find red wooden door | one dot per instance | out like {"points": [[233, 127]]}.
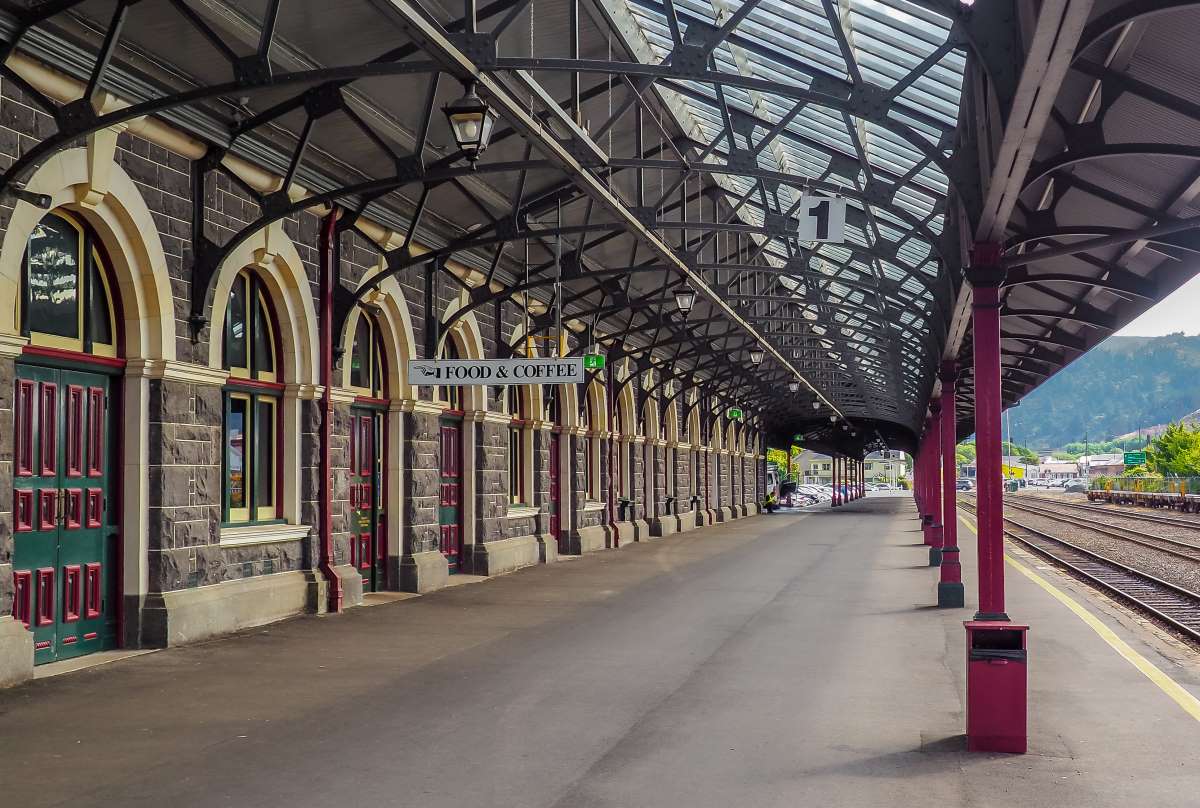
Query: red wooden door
{"points": [[555, 509], [367, 547], [450, 492]]}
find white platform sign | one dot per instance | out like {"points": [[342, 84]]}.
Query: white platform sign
{"points": [[822, 218], [497, 372]]}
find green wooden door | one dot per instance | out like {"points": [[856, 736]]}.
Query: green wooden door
{"points": [[450, 491], [65, 543], [368, 549]]}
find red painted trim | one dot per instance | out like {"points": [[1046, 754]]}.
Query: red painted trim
{"points": [[24, 405], [47, 501], [72, 356], [95, 431], [23, 596], [44, 612], [366, 457], [254, 384], [73, 509], [91, 635], [95, 508], [93, 593], [48, 413], [364, 551], [23, 510], [371, 401], [74, 453], [353, 460], [72, 596]]}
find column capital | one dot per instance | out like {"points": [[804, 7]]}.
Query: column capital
{"points": [[420, 405], [987, 268]]}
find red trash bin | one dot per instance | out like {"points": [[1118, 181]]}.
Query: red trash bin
{"points": [[997, 681]]}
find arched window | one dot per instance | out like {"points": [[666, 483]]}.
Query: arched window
{"points": [[451, 395], [366, 358], [251, 427], [66, 301], [550, 404], [516, 445]]}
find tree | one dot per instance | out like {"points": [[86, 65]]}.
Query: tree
{"points": [[964, 453], [1012, 450], [1176, 452]]}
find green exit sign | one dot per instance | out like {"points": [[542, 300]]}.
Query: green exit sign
{"points": [[735, 414], [593, 361], [1135, 458]]}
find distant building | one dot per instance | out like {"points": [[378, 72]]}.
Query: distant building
{"points": [[1101, 465], [818, 468], [1057, 470]]}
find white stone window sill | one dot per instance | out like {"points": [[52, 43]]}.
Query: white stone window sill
{"points": [[521, 511], [593, 506], [261, 534]]}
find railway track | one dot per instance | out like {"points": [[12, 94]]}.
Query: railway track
{"points": [[1115, 510], [1177, 607], [1165, 544]]}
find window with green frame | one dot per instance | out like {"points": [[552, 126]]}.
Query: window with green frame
{"points": [[251, 433], [66, 302], [366, 358], [453, 396], [516, 445]]}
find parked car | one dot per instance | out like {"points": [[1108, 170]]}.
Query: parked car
{"points": [[964, 484], [1076, 486]]}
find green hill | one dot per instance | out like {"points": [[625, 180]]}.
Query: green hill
{"points": [[1122, 385]]}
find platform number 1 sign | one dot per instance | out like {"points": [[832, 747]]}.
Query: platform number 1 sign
{"points": [[822, 218]]}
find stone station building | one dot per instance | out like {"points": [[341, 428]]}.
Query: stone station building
{"points": [[162, 463]]}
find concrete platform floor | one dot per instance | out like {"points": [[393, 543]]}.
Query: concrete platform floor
{"points": [[787, 660]]}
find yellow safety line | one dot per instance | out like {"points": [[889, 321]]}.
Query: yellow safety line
{"points": [[1177, 693]]}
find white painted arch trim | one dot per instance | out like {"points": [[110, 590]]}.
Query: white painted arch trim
{"points": [[278, 263], [117, 213]]}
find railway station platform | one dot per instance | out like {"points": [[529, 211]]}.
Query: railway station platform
{"points": [[789, 660]]}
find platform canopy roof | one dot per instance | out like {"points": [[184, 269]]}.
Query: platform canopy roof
{"points": [[645, 147]]}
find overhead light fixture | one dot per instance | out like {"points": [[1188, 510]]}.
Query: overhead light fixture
{"points": [[756, 356], [833, 419], [845, 427], [816, 405], [685, 298], [471, 121], [794, 387]]}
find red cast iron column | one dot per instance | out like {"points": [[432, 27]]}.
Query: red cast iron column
{"points": [[950, 588], [935, 491], [985, 276], [916, 479], [926, 503]]}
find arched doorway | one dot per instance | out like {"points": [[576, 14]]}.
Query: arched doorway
{"points": [[450, 469], [368, 439], [67, 408]]}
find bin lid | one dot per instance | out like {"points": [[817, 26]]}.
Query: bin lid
{"points": [[994, 625]]}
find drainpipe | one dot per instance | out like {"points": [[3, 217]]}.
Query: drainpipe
{"points": [[328, 265], [614, 457]]}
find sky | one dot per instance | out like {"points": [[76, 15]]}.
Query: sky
{"points": [[1178, 312]]}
